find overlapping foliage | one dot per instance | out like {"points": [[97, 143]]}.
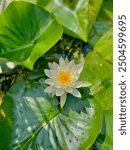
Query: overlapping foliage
{"points": [[29, 31]]}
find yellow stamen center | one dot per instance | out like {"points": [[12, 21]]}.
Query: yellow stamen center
{"points": [[64, 77]]}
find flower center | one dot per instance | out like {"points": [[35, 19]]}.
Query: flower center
{"points": [[64, 77]]}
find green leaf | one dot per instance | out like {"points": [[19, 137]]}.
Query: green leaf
{"points": [[98, 71], [108, 143], [27, 31], [4, 3], [107, 9], [99, 29], [77, 17], [104, 95], [103, 22], [34, 120], [105, 46], [101, 137]]}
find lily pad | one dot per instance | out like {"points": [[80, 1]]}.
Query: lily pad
{"points": [[107, 9], [108, 143], [104, 47], [27, 31], [35, 121], [103, 22], [98, 71], [77, 17]]}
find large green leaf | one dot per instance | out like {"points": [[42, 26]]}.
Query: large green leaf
{"points": [[108, 143], [76, 16], [5, 3], [105, 46], [27, 32], [103, 22], [107, 9], [34, 120], [98, 70]]}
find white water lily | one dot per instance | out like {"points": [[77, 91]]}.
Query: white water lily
{"points": [[63, 79]]}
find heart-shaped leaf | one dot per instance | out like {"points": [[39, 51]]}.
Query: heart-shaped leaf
{"points": [[27, 31], [76, 16], [34, 120]]}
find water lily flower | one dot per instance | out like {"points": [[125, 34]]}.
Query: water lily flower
{"points": [[63, 79]]}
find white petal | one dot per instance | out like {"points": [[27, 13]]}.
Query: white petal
{"points": [[75, 77], [55, 66], [69, 89], [50, 89], [71, 64], [59, 92], [73, 69], [48, 73], [80, 66], [76, 93], [49, 82], [50, 65], [62, 62], [53, 73], [77, 84], [63, 99], [56, 84], [86, 84]]}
